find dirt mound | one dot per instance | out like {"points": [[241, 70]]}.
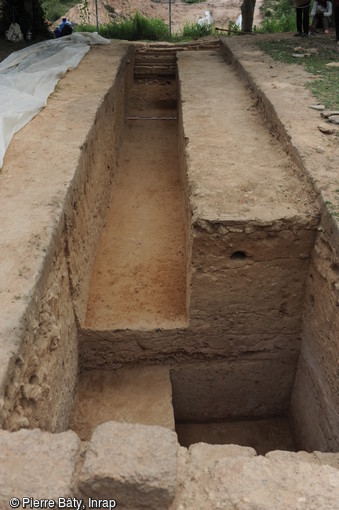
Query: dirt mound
{"points": [[78, 14], [222, 11]]}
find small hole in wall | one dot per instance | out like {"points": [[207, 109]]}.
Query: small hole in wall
{"points": [[312, 300], [238, 255], [33, 379], [19, 361]]}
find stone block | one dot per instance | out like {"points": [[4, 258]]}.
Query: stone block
{"points": [[225, 482], [37, 464], [133, 464], [202, 452], [320, 458], [130, 395]]}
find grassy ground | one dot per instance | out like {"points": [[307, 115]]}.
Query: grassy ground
{"points": [[318, 51]]}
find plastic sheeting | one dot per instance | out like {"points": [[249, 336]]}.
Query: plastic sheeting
{"points": [[29, 76]]}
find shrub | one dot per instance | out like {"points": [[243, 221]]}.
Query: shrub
{"points": [[278, 16], [134, 29], [193, 31], [55, 9]]}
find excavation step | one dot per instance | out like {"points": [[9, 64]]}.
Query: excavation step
{"points": [[160, 62], [155, 64], [154, 70], [238, 169], [141, 395]]}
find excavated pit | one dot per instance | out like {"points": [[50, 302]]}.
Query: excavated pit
{"points": [[184, 268], [169, 288]]}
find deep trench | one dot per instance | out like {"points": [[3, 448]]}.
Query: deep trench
{"points": [[138, 279], [139, 283]]}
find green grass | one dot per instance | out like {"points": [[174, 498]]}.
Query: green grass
{"points": [[325, 85], [193, 31], [140, 28], [134, 29], [278, 16]]}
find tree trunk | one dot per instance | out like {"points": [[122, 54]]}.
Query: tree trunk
{"points": [[28, 8], [247, 14]]}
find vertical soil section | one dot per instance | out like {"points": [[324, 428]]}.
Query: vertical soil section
{"points": [[138, 279]]}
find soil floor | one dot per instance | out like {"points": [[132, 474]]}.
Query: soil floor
{"points": [[263, 435], [138, 280]]}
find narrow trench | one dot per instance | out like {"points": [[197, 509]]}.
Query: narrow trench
{"points": [[139, 283], [138, 280]]}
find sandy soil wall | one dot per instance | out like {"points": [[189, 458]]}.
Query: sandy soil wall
{"points": [[184, 186], [40, 390], [315, 399], [93, 184], [39, 371]]}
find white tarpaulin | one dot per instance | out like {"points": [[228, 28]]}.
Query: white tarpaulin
{"points": [[28, 77]]}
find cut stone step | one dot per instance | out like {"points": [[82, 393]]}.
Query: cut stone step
{"points": [[142, 395]]}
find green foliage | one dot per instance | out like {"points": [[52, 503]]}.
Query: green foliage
{"points": [[134, 29], [193, 31], [55, 9], [278, 16], [233, 28], [140, 28], [286, 23]]}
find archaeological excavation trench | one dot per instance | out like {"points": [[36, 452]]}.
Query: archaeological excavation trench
{"points": [[184, 282], [139, 284]]}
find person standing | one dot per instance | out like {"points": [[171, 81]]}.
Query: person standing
{"points": [[336, 18], [303, 17]]}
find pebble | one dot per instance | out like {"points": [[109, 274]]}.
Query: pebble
{"points": [[326, 130], [329, 113], [319, 107]]}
